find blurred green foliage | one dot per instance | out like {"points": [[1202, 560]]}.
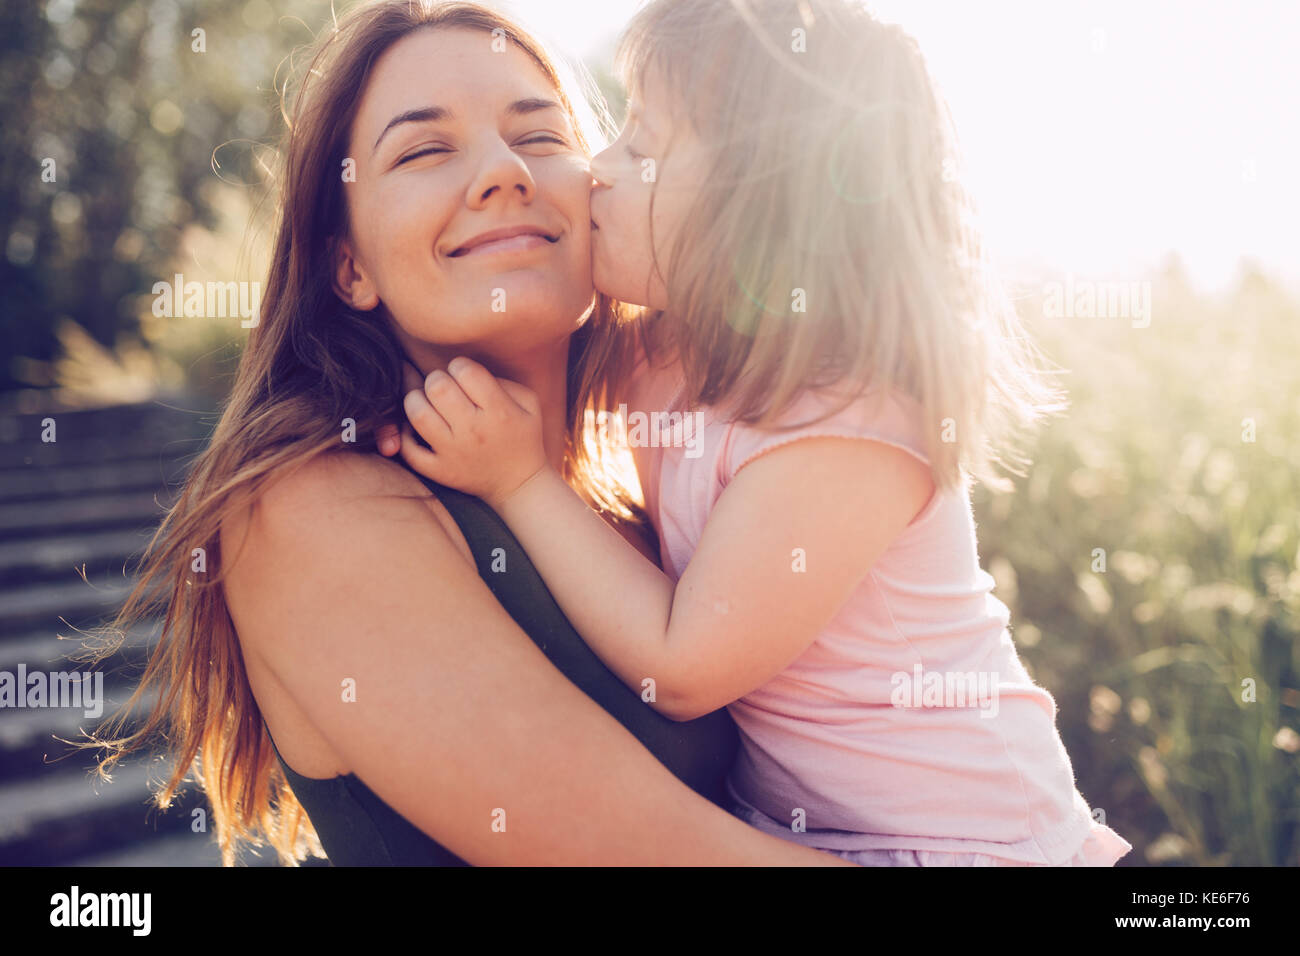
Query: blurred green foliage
{"points": [[118, 97], [1176, 669]]}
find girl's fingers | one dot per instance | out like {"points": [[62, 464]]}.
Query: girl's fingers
{"points": [[426, 419], [445, 394], [479, 385], [388, 438], [417, 456]]}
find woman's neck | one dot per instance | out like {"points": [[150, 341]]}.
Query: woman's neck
{"points": [[544, 370]]}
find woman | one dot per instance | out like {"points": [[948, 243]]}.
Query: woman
{"points": [[434, 203]]}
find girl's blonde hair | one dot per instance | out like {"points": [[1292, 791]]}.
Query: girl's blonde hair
{"points": [[309, 363], [830, 187]]}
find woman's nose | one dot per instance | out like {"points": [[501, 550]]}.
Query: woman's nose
{"points": [[501, 173]]}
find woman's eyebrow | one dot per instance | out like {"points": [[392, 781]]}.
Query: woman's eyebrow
{"points": [[436, 114], [531, 105], [427, 114]]}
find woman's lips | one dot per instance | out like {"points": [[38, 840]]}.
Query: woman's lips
{"points": [[514, 244]]}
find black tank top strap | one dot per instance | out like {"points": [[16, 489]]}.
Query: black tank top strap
{"points": [[357, 828]]}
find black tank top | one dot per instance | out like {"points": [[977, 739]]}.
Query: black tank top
{"points": [[357, 828]]}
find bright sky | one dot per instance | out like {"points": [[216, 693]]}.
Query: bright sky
{"points": [[1099, 135]]}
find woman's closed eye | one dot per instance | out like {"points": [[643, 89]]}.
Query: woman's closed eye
{"points": [[434, 149], [422, 151], [538, 138]]}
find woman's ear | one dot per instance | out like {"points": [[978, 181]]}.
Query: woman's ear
{"points": [[351, 282]]}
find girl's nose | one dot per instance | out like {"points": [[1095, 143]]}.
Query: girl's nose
{"points": [[599, 164]]}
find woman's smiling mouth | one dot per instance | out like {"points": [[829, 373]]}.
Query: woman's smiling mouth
{"points": [[510, 239]]}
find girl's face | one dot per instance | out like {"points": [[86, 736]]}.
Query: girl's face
{"points": [[469, 216], [657, 155]]}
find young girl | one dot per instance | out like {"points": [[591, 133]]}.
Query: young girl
{"points": [[823, 370]]}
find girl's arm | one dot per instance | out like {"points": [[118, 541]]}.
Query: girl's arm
{"points": [[347, 574], [791, 536]]}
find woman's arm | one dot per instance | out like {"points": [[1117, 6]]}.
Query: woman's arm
{"points": [[457, 715], [787, 542]]}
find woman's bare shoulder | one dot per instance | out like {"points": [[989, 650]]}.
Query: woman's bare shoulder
{"points": [[322, 509], [338, 476]]}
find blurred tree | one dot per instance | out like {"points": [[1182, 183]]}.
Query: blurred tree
{"points": [[114, 112]]}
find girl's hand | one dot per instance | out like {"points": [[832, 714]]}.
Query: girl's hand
{"points": [[388, 437], [484, 433]]}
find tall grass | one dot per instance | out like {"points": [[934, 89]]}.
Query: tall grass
{"points": [[1150, 560]]}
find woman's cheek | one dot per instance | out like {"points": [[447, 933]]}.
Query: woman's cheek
{"points": [[607, 271], [405, 229], [630, 215]]}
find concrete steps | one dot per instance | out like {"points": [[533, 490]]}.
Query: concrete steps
{"points": [[87, 503]]}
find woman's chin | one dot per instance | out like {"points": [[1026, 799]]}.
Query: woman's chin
{"points": [[545, 305]]}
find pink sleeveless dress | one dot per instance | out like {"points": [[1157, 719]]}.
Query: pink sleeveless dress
{"points": [[865, 745]]}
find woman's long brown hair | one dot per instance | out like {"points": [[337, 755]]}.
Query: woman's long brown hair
{"points": [[309, 363]]}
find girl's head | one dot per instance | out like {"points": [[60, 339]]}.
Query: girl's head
{"points": [[417, 127], [784, 190]]}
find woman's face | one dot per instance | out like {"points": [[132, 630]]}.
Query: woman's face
{"points": [[469, 215]]}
